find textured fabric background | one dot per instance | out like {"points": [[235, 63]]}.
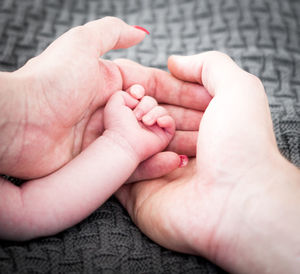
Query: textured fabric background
{"points": [[263, 36]]}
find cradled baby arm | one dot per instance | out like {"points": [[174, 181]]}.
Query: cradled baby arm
{"points": [[143, 125]]}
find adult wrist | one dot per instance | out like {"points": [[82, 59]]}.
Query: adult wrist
{"points": [[10, 116], [265, 235]]}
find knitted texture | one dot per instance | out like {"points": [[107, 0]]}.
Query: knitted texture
{"points": [[262, 36]]}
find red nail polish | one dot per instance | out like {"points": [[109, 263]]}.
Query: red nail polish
{"points": [[141, 28], [183, 160]]}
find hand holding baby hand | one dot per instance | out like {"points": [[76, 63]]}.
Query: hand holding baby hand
{"points": [[141, 126]]}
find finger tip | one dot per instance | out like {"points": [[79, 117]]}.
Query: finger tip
{"points": [[183, 161], [171, 161], [142, 29], [174, 57], [173, 61], [147, 120], [174, 159], [167, 123], [137, 91], [138, 114]]}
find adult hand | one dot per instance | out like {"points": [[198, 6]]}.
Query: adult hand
{"points": [[52, 108], [238, 203], [184, 101], [55, 97]]}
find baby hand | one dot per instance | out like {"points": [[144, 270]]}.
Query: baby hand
{"points": [[143, 126]]}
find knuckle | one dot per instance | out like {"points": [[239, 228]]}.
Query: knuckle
{"points": [[120, 60], [256, 85], [78, 34], [112, 20], [118, 93], [254, 80], [150, 100], [161, 109], [77, 31], [218, 54]]}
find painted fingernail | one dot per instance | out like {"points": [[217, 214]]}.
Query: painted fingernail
{"points": [[183, 160], [141, 28]]}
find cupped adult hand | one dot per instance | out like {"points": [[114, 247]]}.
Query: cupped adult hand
{"points": [[52, 107], [224, 204]]}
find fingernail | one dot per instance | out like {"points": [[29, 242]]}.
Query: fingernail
{"points": [[147, 119], [141, 28], [137, 91], [183, 160], [138, 114]]}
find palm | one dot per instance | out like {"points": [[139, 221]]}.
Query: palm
{"points": [[59, 111], [165, 208], [68, 93], [191, 209], [175, 203]]}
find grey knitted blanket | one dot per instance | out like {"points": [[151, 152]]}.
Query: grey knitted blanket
{"points": [[261, 35]]}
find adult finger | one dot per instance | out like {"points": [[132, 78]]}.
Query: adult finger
{"points": [[235, 92], [163, 86], [185, 119], [102, 35], [113, 33], [216, 71], [158, 165], [184, 142]]}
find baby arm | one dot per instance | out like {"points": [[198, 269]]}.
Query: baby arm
{"points": [[51, 204]]}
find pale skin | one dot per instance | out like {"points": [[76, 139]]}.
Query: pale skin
{"points": [[238, 202], [134, 131], [52, 107]]}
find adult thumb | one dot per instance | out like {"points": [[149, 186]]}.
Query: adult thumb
{"points": [[214, 70], [239, 98], [113, 33], [99, 36], [222, 77]]}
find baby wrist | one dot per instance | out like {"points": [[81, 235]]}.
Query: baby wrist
{"points": [[121, 144]]}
